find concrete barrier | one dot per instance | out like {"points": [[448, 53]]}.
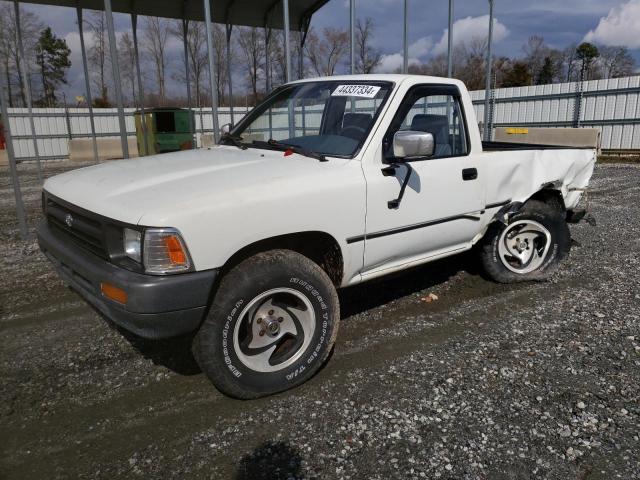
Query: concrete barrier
{"points": [[565, 137], [206, 140], [4, 158], [109, 148]]}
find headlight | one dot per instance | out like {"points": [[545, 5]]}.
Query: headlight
{"points": [[164, 251], [132, 245]]}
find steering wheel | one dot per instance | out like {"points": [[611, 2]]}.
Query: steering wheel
{"points": [[357, 132]]}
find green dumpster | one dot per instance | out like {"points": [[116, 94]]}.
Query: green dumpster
{"points": [[168, 130]]}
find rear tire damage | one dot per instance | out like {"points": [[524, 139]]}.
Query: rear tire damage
{"points": [[529, 247]]}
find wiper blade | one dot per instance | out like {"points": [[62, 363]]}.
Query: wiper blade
{"points": [[233, 140], [295, 149]]}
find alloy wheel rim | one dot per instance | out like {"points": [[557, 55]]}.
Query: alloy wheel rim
{"points": [[274, 330], [523, 246]]}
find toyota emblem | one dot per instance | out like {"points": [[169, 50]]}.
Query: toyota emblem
{"points": [[68, 220]]}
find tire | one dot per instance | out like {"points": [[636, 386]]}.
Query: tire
{"points": [[271, 326], [530, 247]]}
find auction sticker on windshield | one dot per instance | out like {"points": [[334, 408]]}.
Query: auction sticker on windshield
{"points": [[364, 91]]}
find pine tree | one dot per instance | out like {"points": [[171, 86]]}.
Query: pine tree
{"points": [[52, 57], [547, 73], [586, 54], [518, 76]]}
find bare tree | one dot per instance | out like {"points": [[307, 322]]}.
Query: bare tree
{"points": [[570, 63], [535, 52], [436, 66], [473, 58], [368, 58], [127, 61], [327, 52], [6, 45], [557, 59], [197, 53], [277, 59], [155, 36], [615, 62], [220, 58], [252, 45], [97, 56], [10, 59]]}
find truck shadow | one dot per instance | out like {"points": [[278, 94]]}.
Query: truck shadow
{"points": [[378, 292], [175, 353], [172, 353]]}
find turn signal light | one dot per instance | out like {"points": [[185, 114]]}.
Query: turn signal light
{"points": [[177, 256], [114, 293], [164, 252]]}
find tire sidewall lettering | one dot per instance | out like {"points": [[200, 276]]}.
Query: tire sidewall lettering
{"points": [[227, 340], [314, 350]]}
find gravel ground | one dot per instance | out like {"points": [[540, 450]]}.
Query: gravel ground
{"points": [[486, 382]]}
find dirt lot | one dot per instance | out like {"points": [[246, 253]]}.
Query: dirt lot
{"points": [[489, 381]]}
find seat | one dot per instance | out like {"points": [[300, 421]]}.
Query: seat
{"points": [[357, 123], [438, 126]]}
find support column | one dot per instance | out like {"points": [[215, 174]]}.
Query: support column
{"points": [[267, 68], [287, 47], [27, 88], [287, 56], [136, 56], [304, 31], [87, 86], [212, 72], [450, 42], [229, 27], [267, 57], [352, 34], [303, 39], [487, 127], [13, 170], [115, 69], [303, 36], [185, 33], [405, 39]]}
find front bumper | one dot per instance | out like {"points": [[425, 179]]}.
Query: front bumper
{"points": [[157, 306]]}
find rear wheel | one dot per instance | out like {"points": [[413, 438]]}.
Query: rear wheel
{"points": [[271, 326], [530, 247]]}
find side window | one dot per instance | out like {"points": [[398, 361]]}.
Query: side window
{"points": [[440, 115]]}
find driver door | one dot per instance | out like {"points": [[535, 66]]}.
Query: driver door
{"points": [[439, 212]]}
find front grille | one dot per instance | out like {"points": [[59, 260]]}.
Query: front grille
{"points": [[79, 227]]}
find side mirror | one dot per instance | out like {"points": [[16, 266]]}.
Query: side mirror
{"points": [[226, 128], [409, 144]]}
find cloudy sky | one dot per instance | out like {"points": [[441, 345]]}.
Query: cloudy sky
{"points": [[607, 22]]}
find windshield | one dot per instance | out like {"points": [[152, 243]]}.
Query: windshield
{"points": [[325, 118]]}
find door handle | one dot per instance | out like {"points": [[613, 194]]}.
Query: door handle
{"points": [[469, 174]]}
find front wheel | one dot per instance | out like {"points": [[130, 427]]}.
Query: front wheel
{"points": [[530, 247], [272, 324]]}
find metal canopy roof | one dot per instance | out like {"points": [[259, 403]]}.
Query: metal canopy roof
{"points": [[250, 13]]}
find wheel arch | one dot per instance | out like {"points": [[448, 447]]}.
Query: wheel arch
{"points": [[320, 247], [550, 193]]}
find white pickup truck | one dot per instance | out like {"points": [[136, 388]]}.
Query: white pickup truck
{"points": [[328, 183]]}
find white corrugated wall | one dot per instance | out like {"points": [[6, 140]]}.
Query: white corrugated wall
{"points": [[611, 105], [53, 132]]}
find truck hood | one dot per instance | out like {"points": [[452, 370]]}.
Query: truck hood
{"points": [[127, 190]]}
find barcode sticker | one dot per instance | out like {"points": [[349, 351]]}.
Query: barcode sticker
{"points": [[363, 91]]}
